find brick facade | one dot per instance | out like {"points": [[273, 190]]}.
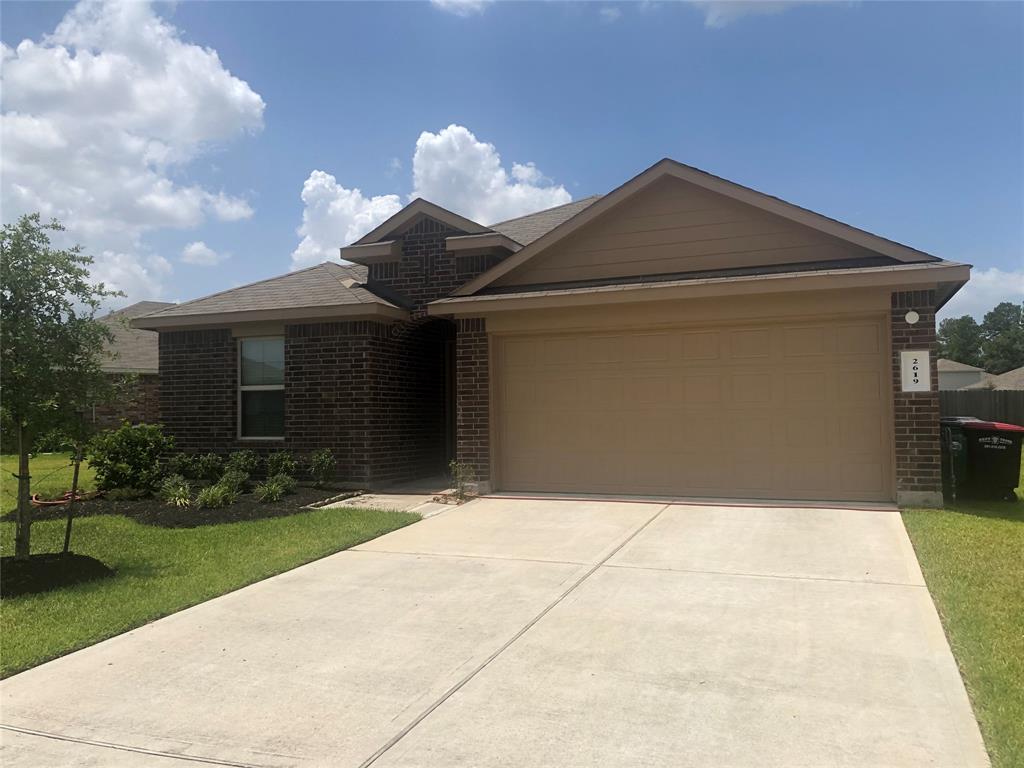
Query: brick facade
{"points": [[916, 414], [472, 373], [137, 401]]}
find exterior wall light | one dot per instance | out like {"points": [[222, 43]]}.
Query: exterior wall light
{"points": [[911, 317]]}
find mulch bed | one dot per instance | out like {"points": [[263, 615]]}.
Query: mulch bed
{"points": [[153, 511], [41, 573]]}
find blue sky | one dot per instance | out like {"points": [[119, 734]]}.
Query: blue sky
{"points": [[906, 119]]}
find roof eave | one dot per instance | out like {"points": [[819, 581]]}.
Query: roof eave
{"points": [[412, 210], [919, 276], [489, 241], [372, 253], [362, 311]]}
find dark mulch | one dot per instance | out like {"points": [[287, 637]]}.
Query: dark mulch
{"points": [[153, 511], [41, 573]]}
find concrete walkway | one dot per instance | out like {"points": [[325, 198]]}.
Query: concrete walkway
{"points": [[515, 632]]}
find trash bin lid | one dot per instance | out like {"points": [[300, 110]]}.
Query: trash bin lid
{"points": [[992, 426], [957, 419]]}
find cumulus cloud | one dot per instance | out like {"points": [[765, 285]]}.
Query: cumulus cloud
{"points": [[610, 14], [200, 254], [462, 7], [457, 171], [335, 216], [721, 13], [451, 168], [986, 288], [100, 119]]}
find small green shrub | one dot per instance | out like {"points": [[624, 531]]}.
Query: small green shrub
{"points": [[53, 441], [197, 467], [129, 456], [282, 463], [125, 494], [269, 491], [176, 491], [321, 466], [243, 461], [216, 496], [235, 479], [462, 476], [285, 481]]}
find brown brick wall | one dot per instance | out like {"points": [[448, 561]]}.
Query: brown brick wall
{"points": [[916, 414], [473, 396], [137, 401], [426, 270], [197, 389]]}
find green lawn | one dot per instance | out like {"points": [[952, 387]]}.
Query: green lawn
{"points": [[973, 560], [162, 570], [51, 476]]}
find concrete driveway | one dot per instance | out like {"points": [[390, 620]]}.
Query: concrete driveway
{"points": [[517, 632]]}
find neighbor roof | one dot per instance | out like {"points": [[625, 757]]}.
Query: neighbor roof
{"points": [[133, 350], [525, 229], [327, 289], [1010, 380], [950, 366]]}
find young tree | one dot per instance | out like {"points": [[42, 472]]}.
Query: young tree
{"points": [[1002, 333], [960, 340], [51, 344]]}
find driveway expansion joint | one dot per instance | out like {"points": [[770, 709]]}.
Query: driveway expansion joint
{"points": [[505, 646], [741, 574]]}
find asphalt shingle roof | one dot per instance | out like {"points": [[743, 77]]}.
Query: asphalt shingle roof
{"points": [[525, 229], [325, 285], [948, 366], [133, 350], [1010, 380]]}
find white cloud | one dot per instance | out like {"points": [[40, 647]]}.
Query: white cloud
{"points": [[200, 254], [100, 119], [610, 14], [138, 277], [462, 7], [721, 13], [450, 168], [457, 171], [335, 216], [987, 287]]}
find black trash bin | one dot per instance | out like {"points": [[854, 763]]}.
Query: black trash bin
{"points": [[980, 459]]}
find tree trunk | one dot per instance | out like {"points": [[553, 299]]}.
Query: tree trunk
{"points": [[74, 494], [24, 525]]}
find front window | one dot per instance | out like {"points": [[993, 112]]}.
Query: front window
{"points": [[261, 387]]}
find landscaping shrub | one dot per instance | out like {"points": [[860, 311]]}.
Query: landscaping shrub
{"points": [[126, 494], [235, 479], [282, 463], [54, 441], [216, 496], [176, 491], [287, 482], [322, 465], [243, 461], [197, 467], [269, 491], [129, 456]]}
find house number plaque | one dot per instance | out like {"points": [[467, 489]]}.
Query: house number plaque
{"points": [[915, 367]]}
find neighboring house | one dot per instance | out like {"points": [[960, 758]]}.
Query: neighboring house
{"points": [[682, 335], [954, 375], [133, 361], [1011, 380]]}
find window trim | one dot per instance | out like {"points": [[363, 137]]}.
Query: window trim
{"points": [[240, 388]]}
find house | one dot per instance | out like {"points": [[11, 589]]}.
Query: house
{"points": [[132, 359], [1011, 380], [954, 375], [681, 335]]}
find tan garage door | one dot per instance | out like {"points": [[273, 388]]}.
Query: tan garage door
{"points": [[770, 411]]}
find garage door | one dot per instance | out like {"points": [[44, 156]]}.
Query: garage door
{"points": [[781, 411]]}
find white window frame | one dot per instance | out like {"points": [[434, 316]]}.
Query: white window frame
{"points": [[253, 387]]}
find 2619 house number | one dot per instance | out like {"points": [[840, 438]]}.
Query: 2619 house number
{"points": [[916, 372]]}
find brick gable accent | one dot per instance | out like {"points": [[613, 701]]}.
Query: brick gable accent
{"points": [[473, 388], [916, 414]]}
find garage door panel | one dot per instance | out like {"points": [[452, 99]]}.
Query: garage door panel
{"points": [[777, 411]]}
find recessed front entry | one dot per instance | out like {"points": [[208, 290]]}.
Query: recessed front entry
{"points": [[770, 410]]}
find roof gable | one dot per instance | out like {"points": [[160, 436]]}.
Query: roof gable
{"points": [[420, 207], [705, 183], [132, 350]]}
